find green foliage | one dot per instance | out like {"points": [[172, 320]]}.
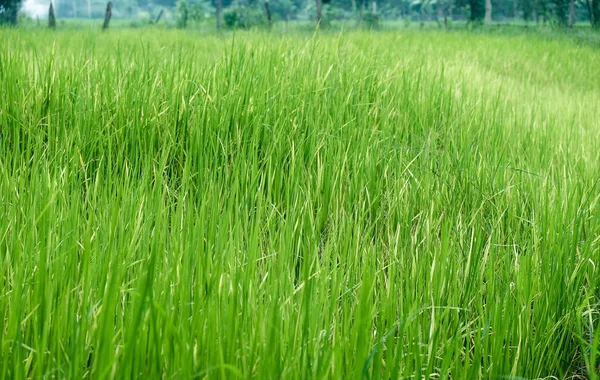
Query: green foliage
{"points": [[9, 11], [477, 8], [200, 10], [231, 18], [283, 8], [528, 8], [332, 13], [390, 11], [395, 205], [595, 12], [244, 17], [183, 14], [370, 19], [561, 11]]}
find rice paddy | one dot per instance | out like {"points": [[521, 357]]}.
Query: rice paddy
{"points": [[392, 204]]}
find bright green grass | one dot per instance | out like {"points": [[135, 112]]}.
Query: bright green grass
{"points": [[380, 205]]}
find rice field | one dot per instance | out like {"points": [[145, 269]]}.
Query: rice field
{"points": [[394, 204]]}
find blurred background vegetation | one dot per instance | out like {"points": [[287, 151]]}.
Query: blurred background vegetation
{"points": [[263, 13]]}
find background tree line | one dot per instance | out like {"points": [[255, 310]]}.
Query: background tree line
{"points": [[244, 13]]}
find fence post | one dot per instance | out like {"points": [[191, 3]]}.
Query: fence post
{"points": [[108, 15]]}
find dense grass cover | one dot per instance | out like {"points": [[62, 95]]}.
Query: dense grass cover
{"points": [[380, 205]]}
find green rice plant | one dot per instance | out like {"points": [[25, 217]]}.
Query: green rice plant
{"points": [[361, 205]]}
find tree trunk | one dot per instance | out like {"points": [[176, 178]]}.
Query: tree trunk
{"points": [[319, 11], [268, 10], [107, 15], [51, 17], [571, 13], [594, 11], [159, 16], [89, 8], [219, 8], [438, 16], [488, 11]]}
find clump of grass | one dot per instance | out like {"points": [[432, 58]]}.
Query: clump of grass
{"points": [[369, 205]]}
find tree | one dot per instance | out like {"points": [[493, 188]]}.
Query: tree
{"points": [[561, 11], [477, 10], [284, 8], [488, 11], [51, 17], [594, 11], [9, 10], [571, 13], [540, 9], [219, 9], [527, 7], [183, 14], [268, 10]]}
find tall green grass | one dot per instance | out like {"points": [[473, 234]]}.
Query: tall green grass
{"points": [[362, 205]]}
